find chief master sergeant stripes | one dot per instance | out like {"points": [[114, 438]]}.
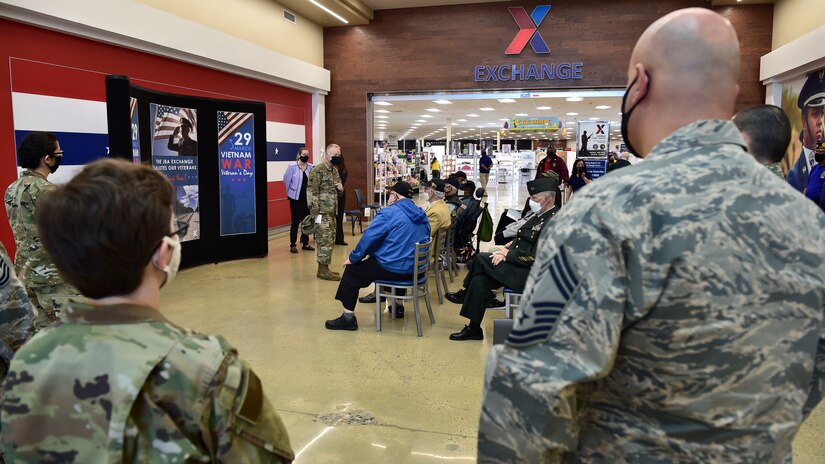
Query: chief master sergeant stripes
{"points": [[15, 313], [682, 321]]}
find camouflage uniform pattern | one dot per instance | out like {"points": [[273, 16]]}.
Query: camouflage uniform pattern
{"points": [[121, 384], [677, 322], [322, 197], [15, 313], [46, 289]]}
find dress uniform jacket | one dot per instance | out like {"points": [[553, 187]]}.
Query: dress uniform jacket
{"points": [[679, 322], [522, 252], [122, 384]]}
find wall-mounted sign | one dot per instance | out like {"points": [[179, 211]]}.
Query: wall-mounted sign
{"points": [[528, 30], [531, 124], [533, 72]]}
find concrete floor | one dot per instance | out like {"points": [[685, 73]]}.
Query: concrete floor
{"points": [[363, 396]]}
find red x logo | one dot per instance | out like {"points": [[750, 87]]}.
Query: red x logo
{"points": [[529, 30]]}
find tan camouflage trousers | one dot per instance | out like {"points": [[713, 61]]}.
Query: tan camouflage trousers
{"points": [[325, 238], [47, 302]]}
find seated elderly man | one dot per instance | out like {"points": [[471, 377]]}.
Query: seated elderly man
{"points": [[437, 212], [508, 267], [386, 251]]}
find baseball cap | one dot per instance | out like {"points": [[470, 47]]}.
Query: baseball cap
{"points": [[402, 188]]}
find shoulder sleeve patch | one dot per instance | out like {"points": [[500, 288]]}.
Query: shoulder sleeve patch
{"points": [[251, 399]]}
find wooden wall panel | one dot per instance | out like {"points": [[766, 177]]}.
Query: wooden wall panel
{"points": [[436, 48]]}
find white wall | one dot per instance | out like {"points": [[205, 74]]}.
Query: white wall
{"points": [[794, 18]]}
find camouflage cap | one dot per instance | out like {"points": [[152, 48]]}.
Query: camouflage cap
{"points": [[308, 225], [813, 92], [544, 184]]}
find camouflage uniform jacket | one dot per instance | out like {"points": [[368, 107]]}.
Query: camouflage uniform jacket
{"points": [[15, 313], [33, 264], [121, 384], [322, 196], [677, 322]]}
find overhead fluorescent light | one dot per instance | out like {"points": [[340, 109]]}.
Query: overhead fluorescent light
{"points": [[574, 99], [544, 108], [603, 107], [594, 119], [506, 100], [382, 117], [487, 108], [443, 102], [504, 119], [433, 110], [521, 115], [381, 111], [329, 11], [416, 125], [472, 115], [383, 103], [570, 123], [455, 123], [461, 120], [426, 116], [572, 114], [420, 120]]}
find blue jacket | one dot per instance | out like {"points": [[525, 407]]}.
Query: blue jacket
{"points": [[392, 235], [798, 174], [293, 178]]}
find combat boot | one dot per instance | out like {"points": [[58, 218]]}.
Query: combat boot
{"points": [[325, 274]]}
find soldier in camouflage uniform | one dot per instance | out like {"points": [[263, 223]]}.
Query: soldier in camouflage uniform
{"points": [[115, 381], [15, 313], [324, 188], [39, 153], [679, 321]]}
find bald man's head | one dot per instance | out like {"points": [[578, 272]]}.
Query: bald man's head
{"points": [[686, 67]]}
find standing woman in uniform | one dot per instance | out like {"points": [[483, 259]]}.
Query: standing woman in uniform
{"points": [[295, 182], [342, 200], [39, 154]]}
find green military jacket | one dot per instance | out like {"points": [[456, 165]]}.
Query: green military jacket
{"points": [[522, 251], [679, 322], [322, 196], [15, 313], [33, 264], [122, 384]]}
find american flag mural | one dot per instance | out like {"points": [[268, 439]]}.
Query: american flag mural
{"points": [[229, 122], [168, 119]]}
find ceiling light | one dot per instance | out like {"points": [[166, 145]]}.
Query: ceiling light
{"points": [[603, 107], [594, 119], [329, 11], [381, 111], [506, 100], [521, 115], [416, 124], [472, 115], [570, 123], [382, 117], [420, 120], [455, 123], [487, 108], [383, 103], [574, 99], [544, 108], [504, 119], [572, 114], [426, 116], [461, 120], [443, 102], [433, 110]]}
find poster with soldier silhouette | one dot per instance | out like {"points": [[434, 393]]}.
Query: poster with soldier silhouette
{"points": [[236, 156], [591, 146], [175, 154], [803, 101]]}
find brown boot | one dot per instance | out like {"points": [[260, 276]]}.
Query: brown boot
{"points": [[325, 274]]}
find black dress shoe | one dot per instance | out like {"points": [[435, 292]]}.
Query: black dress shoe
{"points": [[495, 303], [342, 323], [293, 249], [342, 243], [370, 298], [467, 334], [456, 297], [399, 311], [307, 247]]}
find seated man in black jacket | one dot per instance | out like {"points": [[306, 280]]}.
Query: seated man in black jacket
{"points": [[508, 267]]}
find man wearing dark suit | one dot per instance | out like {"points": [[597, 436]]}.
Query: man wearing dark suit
{"points": [[812, 103], [508, 267]]}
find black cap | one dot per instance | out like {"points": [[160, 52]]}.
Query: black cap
{"points": [[437, 185], [461, 174], [402, 188], [813, 92], [454, 182], [544, 184], [468, 186]]}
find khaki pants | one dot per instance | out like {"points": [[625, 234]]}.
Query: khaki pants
{"points": [[483, 178]]}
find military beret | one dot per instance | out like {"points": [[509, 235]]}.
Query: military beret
{"points": [[402, 188], [437, 185], [813, 92], [544, 184]]}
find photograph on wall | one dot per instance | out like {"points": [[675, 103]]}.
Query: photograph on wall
{"points": [[803, 101], [133, 114], [236, 155], [591, 146], [175, 154]]}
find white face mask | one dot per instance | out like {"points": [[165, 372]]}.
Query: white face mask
{"points": [[534, 206], [172, 268]]}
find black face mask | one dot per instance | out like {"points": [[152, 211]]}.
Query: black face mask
{"points": [[304, 159], [819, 157], [57, 160], [335, 160], [626, 117]]}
